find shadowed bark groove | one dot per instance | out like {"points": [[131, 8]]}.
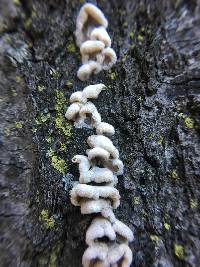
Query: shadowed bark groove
{"points": [[152, 100]]}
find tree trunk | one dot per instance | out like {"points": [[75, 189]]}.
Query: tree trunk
{"points": [[152, 100]]}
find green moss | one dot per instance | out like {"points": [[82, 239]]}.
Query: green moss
{"points": [[49, 222], [189, 123], [18, 125], [179, 251], [166, 226], [40, 88], [154, 238], [174, 174], [193, 203], [6, 131]]}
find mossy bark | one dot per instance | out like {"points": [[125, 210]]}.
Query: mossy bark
{"points": [[152, 100]]}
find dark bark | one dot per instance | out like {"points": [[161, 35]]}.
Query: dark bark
{"points": [[153, 101]]}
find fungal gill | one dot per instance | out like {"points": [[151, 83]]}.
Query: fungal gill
{"points": [[107, 237], [94, 41]]}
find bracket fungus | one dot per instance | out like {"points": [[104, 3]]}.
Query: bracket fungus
{"points": [[94, 42]]}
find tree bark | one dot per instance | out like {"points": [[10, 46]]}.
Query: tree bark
{"points": [[152, 100]]}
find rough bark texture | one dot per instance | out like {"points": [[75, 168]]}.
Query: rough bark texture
{"points": [[153, 101]]}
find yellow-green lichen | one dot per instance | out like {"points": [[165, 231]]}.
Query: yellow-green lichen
{"points": [[59, 164], [179, 251], [27, 23], [62, 124], [18, 79], [160, 141], [42, 118], [16, 2], [140, 38], [131, 35], [112, 75], [6, 131], [154, 238], [63, 147], [18, 125], [69, 84], [166, 226], [49, 139], [49, 222], [174, 174], [136, 200], [40, 88], [189, 123], [193, 203], [71, 48]]}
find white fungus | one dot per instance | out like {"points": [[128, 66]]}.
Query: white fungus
{"points": [[94, 41], [88, 17], [103, 142], [95, 192], [86, 70], [83, 191]]}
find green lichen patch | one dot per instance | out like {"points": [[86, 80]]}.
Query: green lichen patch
{"points": [[136, 200], [71, 48], [18, 125], [6, 131], [57, 162], [193, 203], [40, 88], [166, 226], [174, 174], [179, 251], [154, 238], [189, 123], [49, 222], [42, 118]]}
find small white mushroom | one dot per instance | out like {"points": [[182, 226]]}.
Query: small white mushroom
{"points": [[98, 175], [103, 142], [78, 97], [94, 206], [101, 34], [90, 49], [99, 228], [108, 58], [115, 165], [87, 69], [90, 109], [88, 15], [84, 164], [123, 231], [120, 254], [105, 128], [98, 153], [93, 91], [73, 111], [93, 254], [83, 191]]}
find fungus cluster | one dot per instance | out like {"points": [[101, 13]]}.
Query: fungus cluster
{"points": [[94, 42], [107, 238]]}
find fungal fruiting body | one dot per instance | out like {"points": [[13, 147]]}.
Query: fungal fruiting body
{"points": [[107, 238], [94, 42]]}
